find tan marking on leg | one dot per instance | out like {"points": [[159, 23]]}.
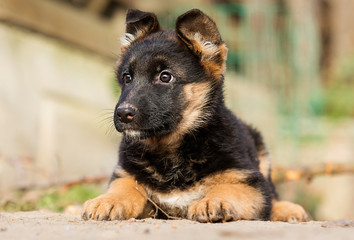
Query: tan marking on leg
{"points": [[122, 201], [176, 202], [226, 177], [288, 212], [228, 202]]}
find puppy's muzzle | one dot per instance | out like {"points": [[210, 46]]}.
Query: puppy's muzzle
{"points": [[126, 114]]}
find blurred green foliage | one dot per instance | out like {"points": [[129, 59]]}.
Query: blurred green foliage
{"points": [[339, 100], [54, 199], [57, 201]]}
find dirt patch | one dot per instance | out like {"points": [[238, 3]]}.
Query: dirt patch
{"points": [[48, 225]]}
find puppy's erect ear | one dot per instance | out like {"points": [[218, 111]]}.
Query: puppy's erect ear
{"points": [[139, 25], [200, 34]]}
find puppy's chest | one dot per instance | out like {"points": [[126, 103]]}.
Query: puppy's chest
{"points": [[176, 202], [172, 172]]}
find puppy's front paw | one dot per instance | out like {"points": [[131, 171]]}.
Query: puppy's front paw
{"points": [[107, 207], [288, 212], [212, 210], [125, 199]]}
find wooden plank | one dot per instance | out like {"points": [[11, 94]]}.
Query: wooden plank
{"points": [[65, 23]]}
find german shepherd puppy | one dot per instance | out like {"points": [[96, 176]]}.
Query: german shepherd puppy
{"points": [[183, 153]]}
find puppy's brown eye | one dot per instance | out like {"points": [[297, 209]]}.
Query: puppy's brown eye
{"points": [[166, 77], [127, 78]]}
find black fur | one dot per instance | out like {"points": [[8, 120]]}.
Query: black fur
{"points": [[160, 104], [220, 143]]}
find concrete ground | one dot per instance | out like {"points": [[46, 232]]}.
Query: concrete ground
{"points": [[47, 225]]}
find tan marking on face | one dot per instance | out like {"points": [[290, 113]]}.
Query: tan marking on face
{"points": [[196, 95]]}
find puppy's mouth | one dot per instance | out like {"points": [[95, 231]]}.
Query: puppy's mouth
{"points": [[140, 134], [136, 134]]}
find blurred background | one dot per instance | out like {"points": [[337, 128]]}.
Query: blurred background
{"points": [[290, 74]]}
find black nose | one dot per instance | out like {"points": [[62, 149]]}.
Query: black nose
{"points": [[126, 114]]}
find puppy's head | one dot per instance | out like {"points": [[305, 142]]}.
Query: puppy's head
{"points": [[168, 78]]}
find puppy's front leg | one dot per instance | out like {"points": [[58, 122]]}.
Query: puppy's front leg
{"points": [[122, 201], [228, 202]]}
